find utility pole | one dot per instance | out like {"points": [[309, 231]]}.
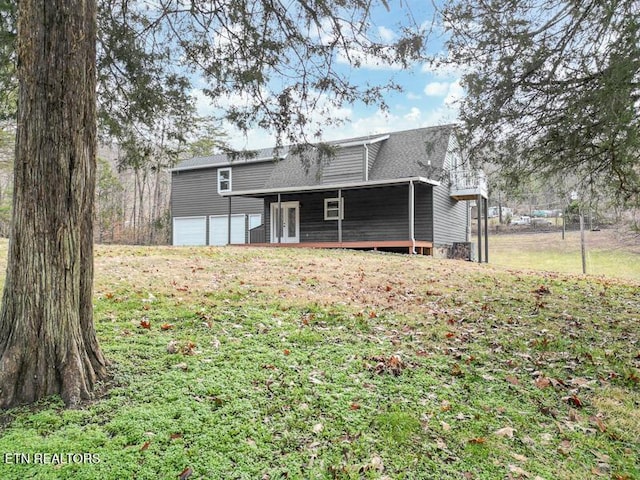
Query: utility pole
{"points": [[582, 246]]}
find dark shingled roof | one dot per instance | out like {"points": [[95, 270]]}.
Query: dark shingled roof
{"points": [[419, 152], [222, 160], [411, 153]]}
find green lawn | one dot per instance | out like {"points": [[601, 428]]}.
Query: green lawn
{"points": [[606, 253], [298, 364]]}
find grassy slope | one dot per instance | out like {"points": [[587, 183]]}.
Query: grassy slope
{"points": [[285, 368], [608, 252]]}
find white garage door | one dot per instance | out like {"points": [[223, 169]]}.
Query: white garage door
{"points": [[189, 231], [218, 233]]}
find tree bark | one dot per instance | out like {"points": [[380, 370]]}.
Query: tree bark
{"points": [[48, 343]]}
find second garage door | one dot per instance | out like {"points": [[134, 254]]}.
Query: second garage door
{"points": [[218, 229]]}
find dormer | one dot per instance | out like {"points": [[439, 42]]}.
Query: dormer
{"points": [[352, 161]]}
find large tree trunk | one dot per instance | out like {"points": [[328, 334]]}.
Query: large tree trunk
{"points": [[48, 343]]}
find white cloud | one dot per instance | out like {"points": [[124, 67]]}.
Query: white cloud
{"points": [[443, 71], [436, 89], [413, 115], [365, 60], [413, 96], [454, 94], [386, 34]]}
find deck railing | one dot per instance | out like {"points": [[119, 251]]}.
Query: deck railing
{"points": [[469, 181]]}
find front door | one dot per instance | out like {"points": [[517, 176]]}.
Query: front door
{"points": [[285, 224]]}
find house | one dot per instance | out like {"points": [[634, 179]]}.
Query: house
{"points": [[402, 190]]}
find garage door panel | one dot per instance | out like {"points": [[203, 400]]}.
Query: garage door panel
{"points": [[189, 231], [218, 229]]}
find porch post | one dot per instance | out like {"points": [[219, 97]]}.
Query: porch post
{"points": [[229, 224], [479, 212], [412, 216], [279, 218], [486, 230], [340, 215]]}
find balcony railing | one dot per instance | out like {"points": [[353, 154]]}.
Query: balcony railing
{"points": [[467, 184]]}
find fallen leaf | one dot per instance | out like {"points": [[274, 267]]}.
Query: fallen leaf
{"points": [[542, 382], [355, 406], [519, 471], [188, 348], [175, 436], [579, 382], [186, 473], [574, 416], [601, 470], [286, 351], [597, 421], [318, 427], [512, 380], [376, 463], [440, 443], [166, 326], [575, 401], [145, 445], [541, 290], [145, 324], [477, 440], [373, 314], [172, 347], [517, 456], [565, 447], [445, 426], [505, 432]]}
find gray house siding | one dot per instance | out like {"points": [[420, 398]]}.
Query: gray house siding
{"points": [[195, 192], [450, 217], [424, 213], [376, 214], [346, 166], [373, 148]]}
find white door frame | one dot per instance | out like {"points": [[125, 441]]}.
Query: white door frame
{"points": [[285, 238]]}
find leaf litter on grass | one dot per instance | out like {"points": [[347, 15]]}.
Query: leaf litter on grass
{"points": [[349, 365]]}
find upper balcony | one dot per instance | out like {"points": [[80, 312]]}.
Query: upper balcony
{"points": [[468, 184]]}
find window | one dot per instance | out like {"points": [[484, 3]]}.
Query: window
{"points": [[334, 208], [224, 180]]}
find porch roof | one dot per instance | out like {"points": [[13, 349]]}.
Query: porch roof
{"points": [[263, 192]]}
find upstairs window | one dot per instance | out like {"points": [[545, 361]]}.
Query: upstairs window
{"points": [[334, 208], [224, 180]]}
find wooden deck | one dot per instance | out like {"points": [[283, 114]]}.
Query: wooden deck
{"points": [[421, 247]]}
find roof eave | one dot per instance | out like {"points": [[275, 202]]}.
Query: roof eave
{"points": [[367, 141], [333, 186], [229, 163]]}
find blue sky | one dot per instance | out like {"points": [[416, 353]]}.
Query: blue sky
{"points": [[429, 97]]}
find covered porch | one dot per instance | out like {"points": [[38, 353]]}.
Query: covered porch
{"points": [[390, 215]]}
